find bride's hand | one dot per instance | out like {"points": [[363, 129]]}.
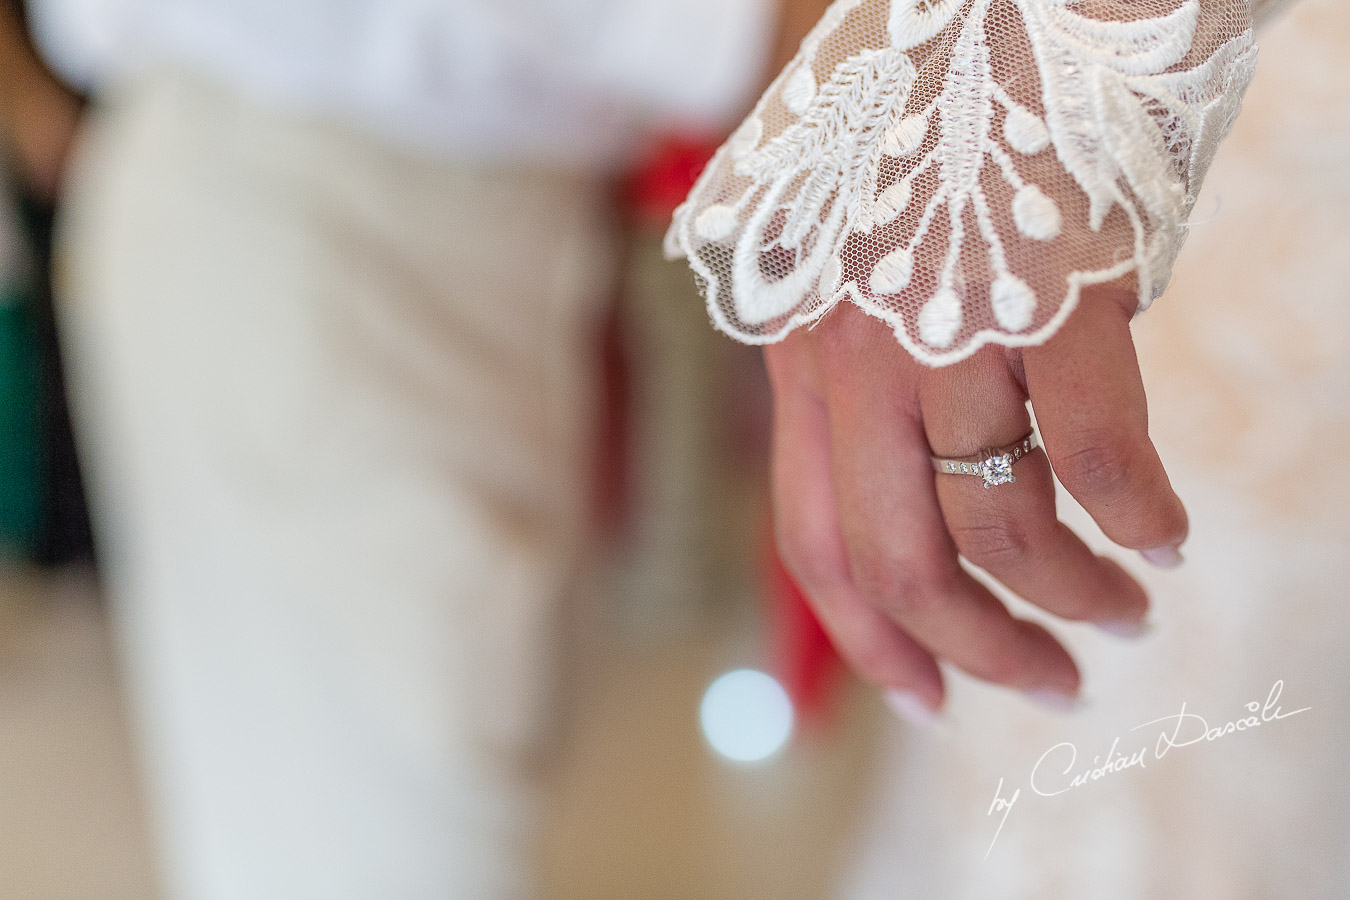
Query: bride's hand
{"points": [[872, 533], [973, 173]]}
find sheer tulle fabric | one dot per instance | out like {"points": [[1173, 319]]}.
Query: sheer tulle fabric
{"points": [[961, 169]]}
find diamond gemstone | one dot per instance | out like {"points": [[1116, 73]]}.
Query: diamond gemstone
{"points": [[997, 469]]}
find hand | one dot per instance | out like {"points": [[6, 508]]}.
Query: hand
{"points": [[42, 132], [872, 533], [38, 115]]}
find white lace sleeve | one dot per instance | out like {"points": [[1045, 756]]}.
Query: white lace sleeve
{"points": [[962, 168]]}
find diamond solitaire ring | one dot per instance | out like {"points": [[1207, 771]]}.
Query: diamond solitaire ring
{"points": [[995, 466]]}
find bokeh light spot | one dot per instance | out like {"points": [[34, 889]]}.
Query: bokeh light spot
{"points": [[746, 716]]}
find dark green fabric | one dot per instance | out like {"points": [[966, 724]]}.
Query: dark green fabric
{"points": [[63, 520], [21, 477]]}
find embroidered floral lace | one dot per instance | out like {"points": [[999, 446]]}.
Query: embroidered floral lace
{"points": [[961, 169]]}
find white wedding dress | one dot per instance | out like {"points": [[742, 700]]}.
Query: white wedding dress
{"points": [[1247, 362], [958, 168]]}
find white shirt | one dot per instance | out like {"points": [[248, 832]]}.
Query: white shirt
{"points": [[568, 82]]}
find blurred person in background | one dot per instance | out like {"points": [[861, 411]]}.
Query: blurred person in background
{"points": [[328, 277]]}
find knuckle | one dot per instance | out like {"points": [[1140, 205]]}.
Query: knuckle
{"points": [[1101, 465], [920, 600], [812, 569], [1001, 538], [880, 578], [873, 661], [901, 587]]}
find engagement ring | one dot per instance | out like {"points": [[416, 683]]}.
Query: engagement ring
{"points": [[995, 466]]}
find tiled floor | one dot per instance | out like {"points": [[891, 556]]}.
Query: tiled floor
{"points": [[641, 811]]}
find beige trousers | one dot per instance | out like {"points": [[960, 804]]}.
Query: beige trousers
{"points": [[334, 399]]}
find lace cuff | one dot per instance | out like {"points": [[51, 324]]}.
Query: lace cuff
{"points": [[962, 168]]}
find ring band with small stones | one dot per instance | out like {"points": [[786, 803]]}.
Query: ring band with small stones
{"points": [[994, 465]]}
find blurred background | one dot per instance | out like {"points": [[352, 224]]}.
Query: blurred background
{"points": [[709, 744], [641, 803]]}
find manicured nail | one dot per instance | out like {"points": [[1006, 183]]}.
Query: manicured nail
{"points": [[913, 710], [1128, 630], [1056, 700], [1163, 557]]}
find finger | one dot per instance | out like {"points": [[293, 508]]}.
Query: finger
{"points": [[812, 545], [899, 553], [1011, 530], [1093, 418]]}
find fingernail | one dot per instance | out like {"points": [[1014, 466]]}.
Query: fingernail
{"points": [[1056, 700], [1128, 630], [1164, 557], [913, 710]]}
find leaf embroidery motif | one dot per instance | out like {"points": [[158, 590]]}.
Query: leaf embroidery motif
{"points": [[1062, 146]]}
